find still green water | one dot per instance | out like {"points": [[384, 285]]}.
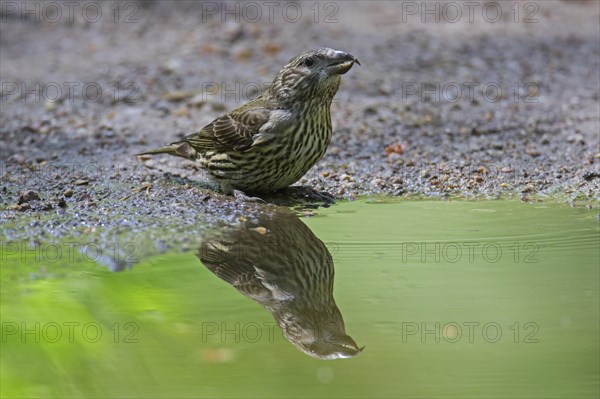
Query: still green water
{"points": [[462, 299]]}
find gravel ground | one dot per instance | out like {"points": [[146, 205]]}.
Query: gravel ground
{"points": [[461, 109]]}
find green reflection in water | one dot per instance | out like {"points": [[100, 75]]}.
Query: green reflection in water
{"points": [[468, 299]]}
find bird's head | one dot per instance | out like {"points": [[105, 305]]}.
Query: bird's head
{"points": [[319, 334], [314, 74]]}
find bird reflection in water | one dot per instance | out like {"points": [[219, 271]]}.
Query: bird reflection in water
{"points": [[276, 260]]}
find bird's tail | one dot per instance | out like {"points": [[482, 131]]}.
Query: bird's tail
{"points": [[180, 149]]}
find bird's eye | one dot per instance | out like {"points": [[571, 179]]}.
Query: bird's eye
{"points": [[309, 61]]}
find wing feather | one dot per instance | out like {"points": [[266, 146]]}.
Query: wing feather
{"points": [[234, 131]]}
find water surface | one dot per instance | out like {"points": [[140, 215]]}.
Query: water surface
{"points": [[469, 299]]}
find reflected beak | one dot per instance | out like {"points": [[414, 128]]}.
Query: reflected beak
{"points": [[341, 63]]}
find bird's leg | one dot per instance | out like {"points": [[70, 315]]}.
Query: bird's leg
{"points": [[242, 197]]}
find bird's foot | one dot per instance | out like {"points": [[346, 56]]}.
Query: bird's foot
{"points": [[240, 196], [313, 195]]}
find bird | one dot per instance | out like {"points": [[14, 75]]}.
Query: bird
{"points": [[270, 142], [274, 259]]}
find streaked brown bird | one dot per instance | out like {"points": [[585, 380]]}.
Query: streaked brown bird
{"points": [[278, 262], [271, 141]]}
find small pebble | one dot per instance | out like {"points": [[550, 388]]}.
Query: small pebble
{"points": [[27, 196], [260, 230], [175, 96], [20, 159], [528, 189]]}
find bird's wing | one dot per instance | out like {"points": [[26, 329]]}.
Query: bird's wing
{"points": [[234, 131], [222, 257]]}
